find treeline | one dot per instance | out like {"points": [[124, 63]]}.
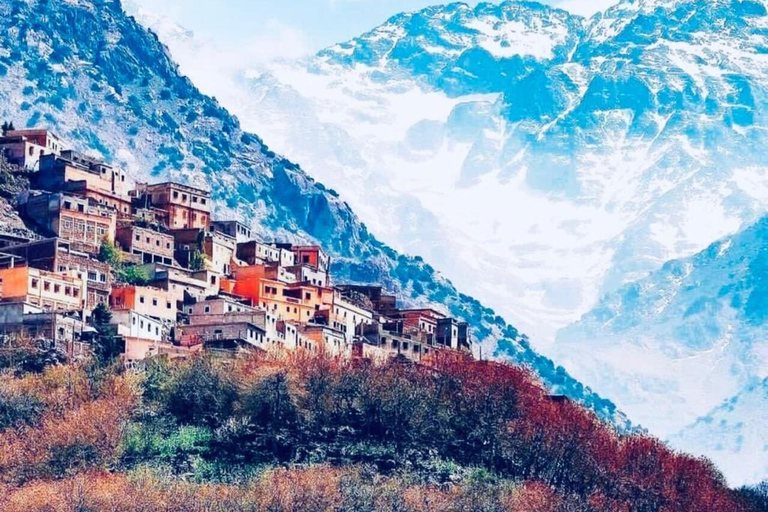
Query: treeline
{"points": [[310, 434]]}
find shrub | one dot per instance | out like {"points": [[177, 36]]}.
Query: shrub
{"points": [[19, 409], [109, 253], [200, 394], [133, 275]]}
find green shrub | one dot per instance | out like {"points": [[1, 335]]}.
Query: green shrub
{"points": [[200, 394]]}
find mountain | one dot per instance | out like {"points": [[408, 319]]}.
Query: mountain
{"points": [[586, 152], [685, 338], [90, 72], [677, 344], [733, 435], [556, 160]]}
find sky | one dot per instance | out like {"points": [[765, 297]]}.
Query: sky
{"points": [[298, 27]]}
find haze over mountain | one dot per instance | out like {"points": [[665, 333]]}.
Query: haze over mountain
{"points": [[543, 161]]}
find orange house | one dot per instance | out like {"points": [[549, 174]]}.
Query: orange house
{"points": [[145, 300], [50, 291], [296, 302], [312, 256]]}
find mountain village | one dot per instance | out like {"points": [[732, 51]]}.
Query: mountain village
{"points": [[176, 279]]}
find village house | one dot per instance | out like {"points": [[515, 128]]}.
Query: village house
{"points": [[418, 322], [146, 300], [328, 340], [121, 204], [372, 298], [293, 302], [294, 339], [25, 147], [377, 341], [56, 170], [258, 253], [308, 274], [47, 290], [232, 228], [451, 333], [310, 255], [217, 247], [345, 316], [65, 331], [132, 324], [185, 207], [56, 255], [225, 334], [182, 284], [73, 218], [151, 246]]}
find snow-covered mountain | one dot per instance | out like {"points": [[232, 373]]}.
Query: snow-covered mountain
{"points": [[543, 160], [733, 435], [676, 344]]}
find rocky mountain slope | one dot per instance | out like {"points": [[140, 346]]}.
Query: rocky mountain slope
{"points": [[93, 74]]}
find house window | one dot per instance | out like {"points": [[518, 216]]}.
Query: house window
{"points": [[35, 283], [154, 302], [167, 305], [92, 276], [67, 291], [138, 237], [207, 309], [175, 194], [202, 201], [141, 299], [57, 288], [46, 286]]}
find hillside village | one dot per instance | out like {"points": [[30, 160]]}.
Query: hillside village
{"points": [[176, 279]]}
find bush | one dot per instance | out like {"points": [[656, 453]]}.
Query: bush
{"points": [[200, 394], [19, 409], [109, 253], [133, 275]]}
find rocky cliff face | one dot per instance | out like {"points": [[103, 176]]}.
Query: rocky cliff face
{"points": [[93, 74]]}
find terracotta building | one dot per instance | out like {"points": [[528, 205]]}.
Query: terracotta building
{"points": [[25, 147], [71, 166], [74, 219], [145, 300], [47, 290], [151, 246], [233, 228], [56, 255], [185, 207]]}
